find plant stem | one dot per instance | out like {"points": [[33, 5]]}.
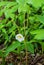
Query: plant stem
{"points": [[3, 61], [25, 43], [25, 37], [26, 51]]}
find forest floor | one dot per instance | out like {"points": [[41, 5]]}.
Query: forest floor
{"points": [[15, 59]]}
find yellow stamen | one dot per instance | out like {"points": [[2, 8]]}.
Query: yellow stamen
{"points": [[19, 37]]}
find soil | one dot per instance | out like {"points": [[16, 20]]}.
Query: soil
{"points": [[15, 59]]}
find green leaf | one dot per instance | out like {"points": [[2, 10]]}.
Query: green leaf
{"points": [[4, 30], [41, 18], [39, 34], [1, 13], [22, 6], [30, 47], [3, 3], [42, 44], [9, 14], [12, 29], [21, 1], [1, 26], [36, 3], [12, 47], [21, 17], [9, 24], [10, 4], [1, 54]]}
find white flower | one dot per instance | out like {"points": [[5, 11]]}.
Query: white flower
{"points": [[19, 37]]}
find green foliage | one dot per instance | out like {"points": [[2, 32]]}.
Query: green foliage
{"points": [[13, 16], [39, 34], [30, 47], [37, 3], [41, 18], [12, 47]]}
